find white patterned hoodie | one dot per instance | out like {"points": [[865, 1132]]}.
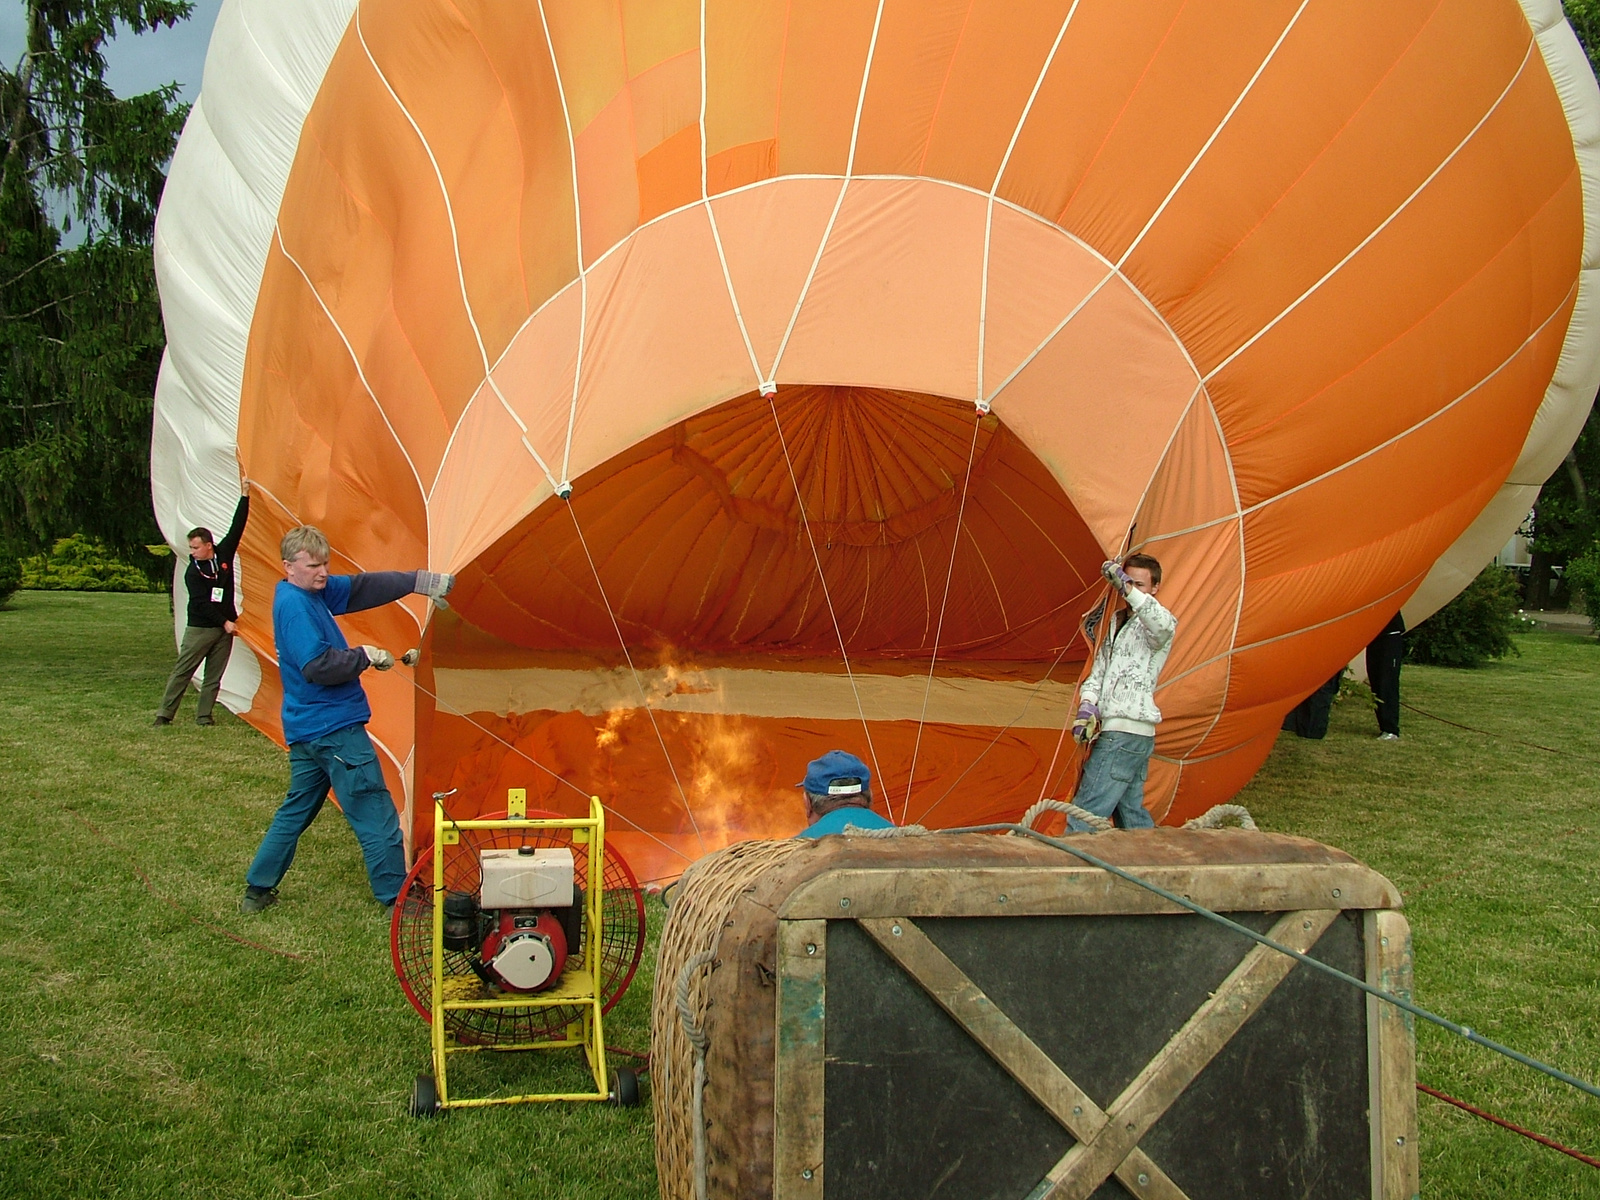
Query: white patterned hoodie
{"points": [[1123, 679]]}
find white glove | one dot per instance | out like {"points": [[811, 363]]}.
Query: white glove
{"points": [[411, 657], [435, 585], [380, 658]]}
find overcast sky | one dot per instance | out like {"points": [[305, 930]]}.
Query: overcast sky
{"points": [[137, 63]]}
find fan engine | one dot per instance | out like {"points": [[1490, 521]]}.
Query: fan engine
{"points": [[525, 919]]}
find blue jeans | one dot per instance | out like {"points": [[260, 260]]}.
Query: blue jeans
{"points": [[345, 761], [1113, 780]]}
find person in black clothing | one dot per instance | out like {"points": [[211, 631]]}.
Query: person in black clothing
{"points": [[209, 636], [1309, 718], [1385, 653]]}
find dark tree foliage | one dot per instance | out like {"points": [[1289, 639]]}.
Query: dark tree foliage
{"points": [[1474, 627], [80, 324]]}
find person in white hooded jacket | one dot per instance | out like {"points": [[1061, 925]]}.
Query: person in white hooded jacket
{"points": [[1117, 713]]}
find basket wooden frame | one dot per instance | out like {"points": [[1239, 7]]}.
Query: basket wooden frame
{"points": [[886, 903]]}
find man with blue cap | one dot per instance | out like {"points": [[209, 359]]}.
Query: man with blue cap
{"points": [[838, 790]]}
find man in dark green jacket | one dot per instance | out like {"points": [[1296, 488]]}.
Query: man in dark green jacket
{"points": [[208, 579]]}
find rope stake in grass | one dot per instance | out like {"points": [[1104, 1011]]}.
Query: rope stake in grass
{"points": [[1504, 1124], [173, 904]]}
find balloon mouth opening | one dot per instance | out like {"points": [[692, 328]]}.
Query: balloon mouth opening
{"points": [[697, 600]]}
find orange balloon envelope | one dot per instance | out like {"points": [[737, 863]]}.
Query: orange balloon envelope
{"points": [[776, 377]]}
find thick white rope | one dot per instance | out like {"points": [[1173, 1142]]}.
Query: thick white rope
{"points": [[1094, 821], [1219, 815]]}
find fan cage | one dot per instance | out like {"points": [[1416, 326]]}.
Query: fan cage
{"points": [[621, 942]]}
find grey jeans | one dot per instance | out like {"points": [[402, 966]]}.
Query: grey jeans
{"points": [[210, 646]]}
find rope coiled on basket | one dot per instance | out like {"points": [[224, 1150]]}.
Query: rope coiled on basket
{"points": [[703, 899], [1218, 815], [1095, 822], [695, 1032]]}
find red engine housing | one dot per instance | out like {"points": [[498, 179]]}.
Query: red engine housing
{"points": [[525, 951]]}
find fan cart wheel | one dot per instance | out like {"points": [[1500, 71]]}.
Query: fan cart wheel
{"points": [[425, 1097], [625, 1087]]}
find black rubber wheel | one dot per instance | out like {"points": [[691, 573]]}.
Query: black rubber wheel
{"points": [[425, 1097], [624, 1087]]}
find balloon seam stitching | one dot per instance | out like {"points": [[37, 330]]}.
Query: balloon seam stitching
{"points": [[988, 216], [1215, 134], [938, 631], [583, 274], [1293, 633], [637, 682], [1387, 221], [455, 242], [1381, 446], [827, 595], [355, 361], [844, 186]]}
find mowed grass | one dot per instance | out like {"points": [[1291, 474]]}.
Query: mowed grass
{"points": [[146, 1055], [143, 1055], [1494, 846]]}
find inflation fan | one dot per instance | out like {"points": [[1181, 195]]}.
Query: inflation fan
{"points": [[520, 952]]}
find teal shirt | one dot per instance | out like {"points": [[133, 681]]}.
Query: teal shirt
{"points": [[834, 822]]}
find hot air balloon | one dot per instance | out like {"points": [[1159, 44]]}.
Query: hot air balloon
{"points": [[776, 377]]}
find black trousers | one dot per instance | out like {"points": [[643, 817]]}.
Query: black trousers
{"points": [[1384, 655], [1309, 718]]}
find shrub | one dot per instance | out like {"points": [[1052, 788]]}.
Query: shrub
{"points": [[10, 574], [1583, 577], [80, 564], [1474, 627]]}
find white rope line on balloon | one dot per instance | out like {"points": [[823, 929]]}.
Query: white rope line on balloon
{"points": [[1293, 633], [1238, 601], [711, 216], [1215, 133], [559, 778], [988, 214], [827, 594], [257, 486], [1362, 244], [355, 360], [455, 243], [838, 201], [1381, 446], [816, 177], [583, 274], [938, 629], [733, 298], [1116, 268], [995, 741], [637, 682]]}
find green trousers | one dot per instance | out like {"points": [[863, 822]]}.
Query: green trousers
{"points": [[210, 646]]}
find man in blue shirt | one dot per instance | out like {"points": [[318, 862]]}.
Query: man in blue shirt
{"points": [[325, 714], [838, 790]]}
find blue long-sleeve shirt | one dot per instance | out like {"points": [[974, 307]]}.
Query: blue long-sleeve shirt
{"points": [[320, 671]]}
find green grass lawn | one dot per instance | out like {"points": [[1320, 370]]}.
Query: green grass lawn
{"points": [[147, 1055]]}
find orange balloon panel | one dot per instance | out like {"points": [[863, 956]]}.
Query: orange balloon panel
{"points": [[859, 334]]}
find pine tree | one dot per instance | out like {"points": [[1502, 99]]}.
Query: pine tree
{"points": [[80, 321]]}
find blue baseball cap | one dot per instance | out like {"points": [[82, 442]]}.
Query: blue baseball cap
{"points": [[836, 773]]}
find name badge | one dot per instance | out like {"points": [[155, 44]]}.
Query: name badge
{"points": [[216, 595]]}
